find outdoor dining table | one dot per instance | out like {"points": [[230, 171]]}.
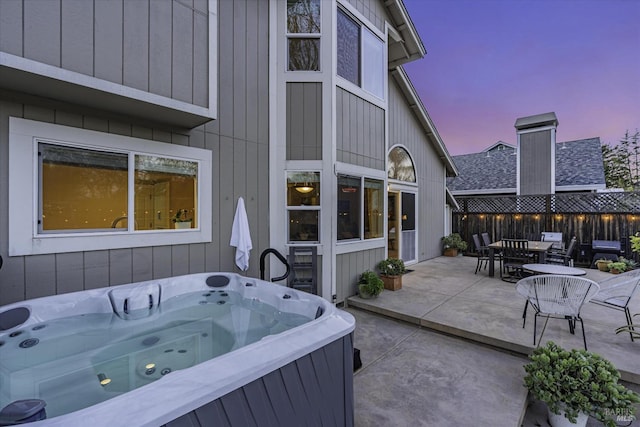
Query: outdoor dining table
{"points": [[538, 247], [554, 269]]}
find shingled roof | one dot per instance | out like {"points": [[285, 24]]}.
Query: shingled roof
{"points": [[579, 167]]}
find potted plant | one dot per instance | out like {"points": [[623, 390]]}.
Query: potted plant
{"points": [[635, 242], [630, 264], [181, 219], [370, 285], [617, 267], [391, 271], [452, 244], [603, 264], [577, 384]]}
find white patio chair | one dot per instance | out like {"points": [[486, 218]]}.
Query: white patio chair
{"points": [[557, 296], [617, 292]]}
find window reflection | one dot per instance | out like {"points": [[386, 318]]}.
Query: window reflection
{"points": [[303, 226], [165, 193], [303, 16], [348, 52], [348, 208], [373, 208], [81, 189], [401, 166], [304, 54]]}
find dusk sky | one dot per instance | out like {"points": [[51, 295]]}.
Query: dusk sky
{"points": [[489, 62]]}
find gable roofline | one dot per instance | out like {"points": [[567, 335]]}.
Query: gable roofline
{"points": [[415, 103], [498, 144], [405, 44]]}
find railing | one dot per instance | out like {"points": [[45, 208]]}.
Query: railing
{"points": [[588, 216]]}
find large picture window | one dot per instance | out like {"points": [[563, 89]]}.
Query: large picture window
{"points": [[360, 55], [360, 208], [303, 35], [76, 190]]}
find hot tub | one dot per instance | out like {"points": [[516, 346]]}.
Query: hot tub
{"points": [[204, 349]]}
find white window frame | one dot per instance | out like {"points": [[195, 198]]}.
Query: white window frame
{"points": [[374, 32], [24, 238], [317, 208], [362, 177], [291, 36]]}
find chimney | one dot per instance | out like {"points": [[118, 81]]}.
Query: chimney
{"points": [[536, 163]]}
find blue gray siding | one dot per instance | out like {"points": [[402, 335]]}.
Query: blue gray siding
{"points": [[535, 163], [359, 131], [238, 139], [350, 266], [304, 121], [405, 129], [159, 47]]}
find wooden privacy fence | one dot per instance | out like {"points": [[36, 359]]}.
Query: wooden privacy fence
{"points": [[588, 216]]}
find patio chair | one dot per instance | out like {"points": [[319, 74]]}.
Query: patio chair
{"points": [[515, 253], [617, 292], [562, 257], [558, 297], [497, 255], [483, 253]]}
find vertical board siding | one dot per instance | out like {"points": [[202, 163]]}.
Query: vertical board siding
{"points": [[239, 160], [404, 129], [535, 172], [77, 36], [304, 121], [41, 34], [135, 53], [155, 46], [314, 390], [355, 143], [373, 10], [350, 266]]}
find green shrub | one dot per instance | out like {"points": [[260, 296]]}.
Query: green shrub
{"points": [[370, 283], [454, 241], [391, 267], [578, 381]]}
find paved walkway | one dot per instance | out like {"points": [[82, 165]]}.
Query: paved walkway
{"points": [[413, 376]]}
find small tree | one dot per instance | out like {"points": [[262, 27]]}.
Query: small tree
{"points": [[622, 162]]}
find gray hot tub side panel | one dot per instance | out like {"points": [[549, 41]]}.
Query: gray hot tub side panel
{"points": [[316, 389]]}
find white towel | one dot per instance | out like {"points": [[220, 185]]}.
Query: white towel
{"points": [[241, 236]]}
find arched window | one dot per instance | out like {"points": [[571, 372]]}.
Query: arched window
{"points": [[401, 166]]}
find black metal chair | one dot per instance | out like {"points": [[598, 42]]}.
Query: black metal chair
{"points": [[497, 254], [515, 253], [562, 257], [483, 254]]}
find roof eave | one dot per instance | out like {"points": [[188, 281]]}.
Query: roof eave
{"points": [[405, 45], [401, 77]]}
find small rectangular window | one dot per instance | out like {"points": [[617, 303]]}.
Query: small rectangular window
{"points": [[348, 51], [303, 35], [373, 208], [303, 206], [349, 212]]}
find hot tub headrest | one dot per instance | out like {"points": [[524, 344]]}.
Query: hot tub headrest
{"points": [[22, 412], [217, 281], [14, 317]]}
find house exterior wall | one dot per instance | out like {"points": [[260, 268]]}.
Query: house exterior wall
{"points": [[535, 154], [404, 129], [360, 136], [158, 47], [238, 140], [349, 267], [304, 121]]}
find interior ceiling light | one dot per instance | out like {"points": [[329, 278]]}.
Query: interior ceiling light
{"points": [[304, 189]]}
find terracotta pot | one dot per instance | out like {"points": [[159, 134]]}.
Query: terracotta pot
{"points": [[451, 252], [392, 283]]}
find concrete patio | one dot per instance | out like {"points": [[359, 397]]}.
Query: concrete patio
{"points": [[418, 371]]}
